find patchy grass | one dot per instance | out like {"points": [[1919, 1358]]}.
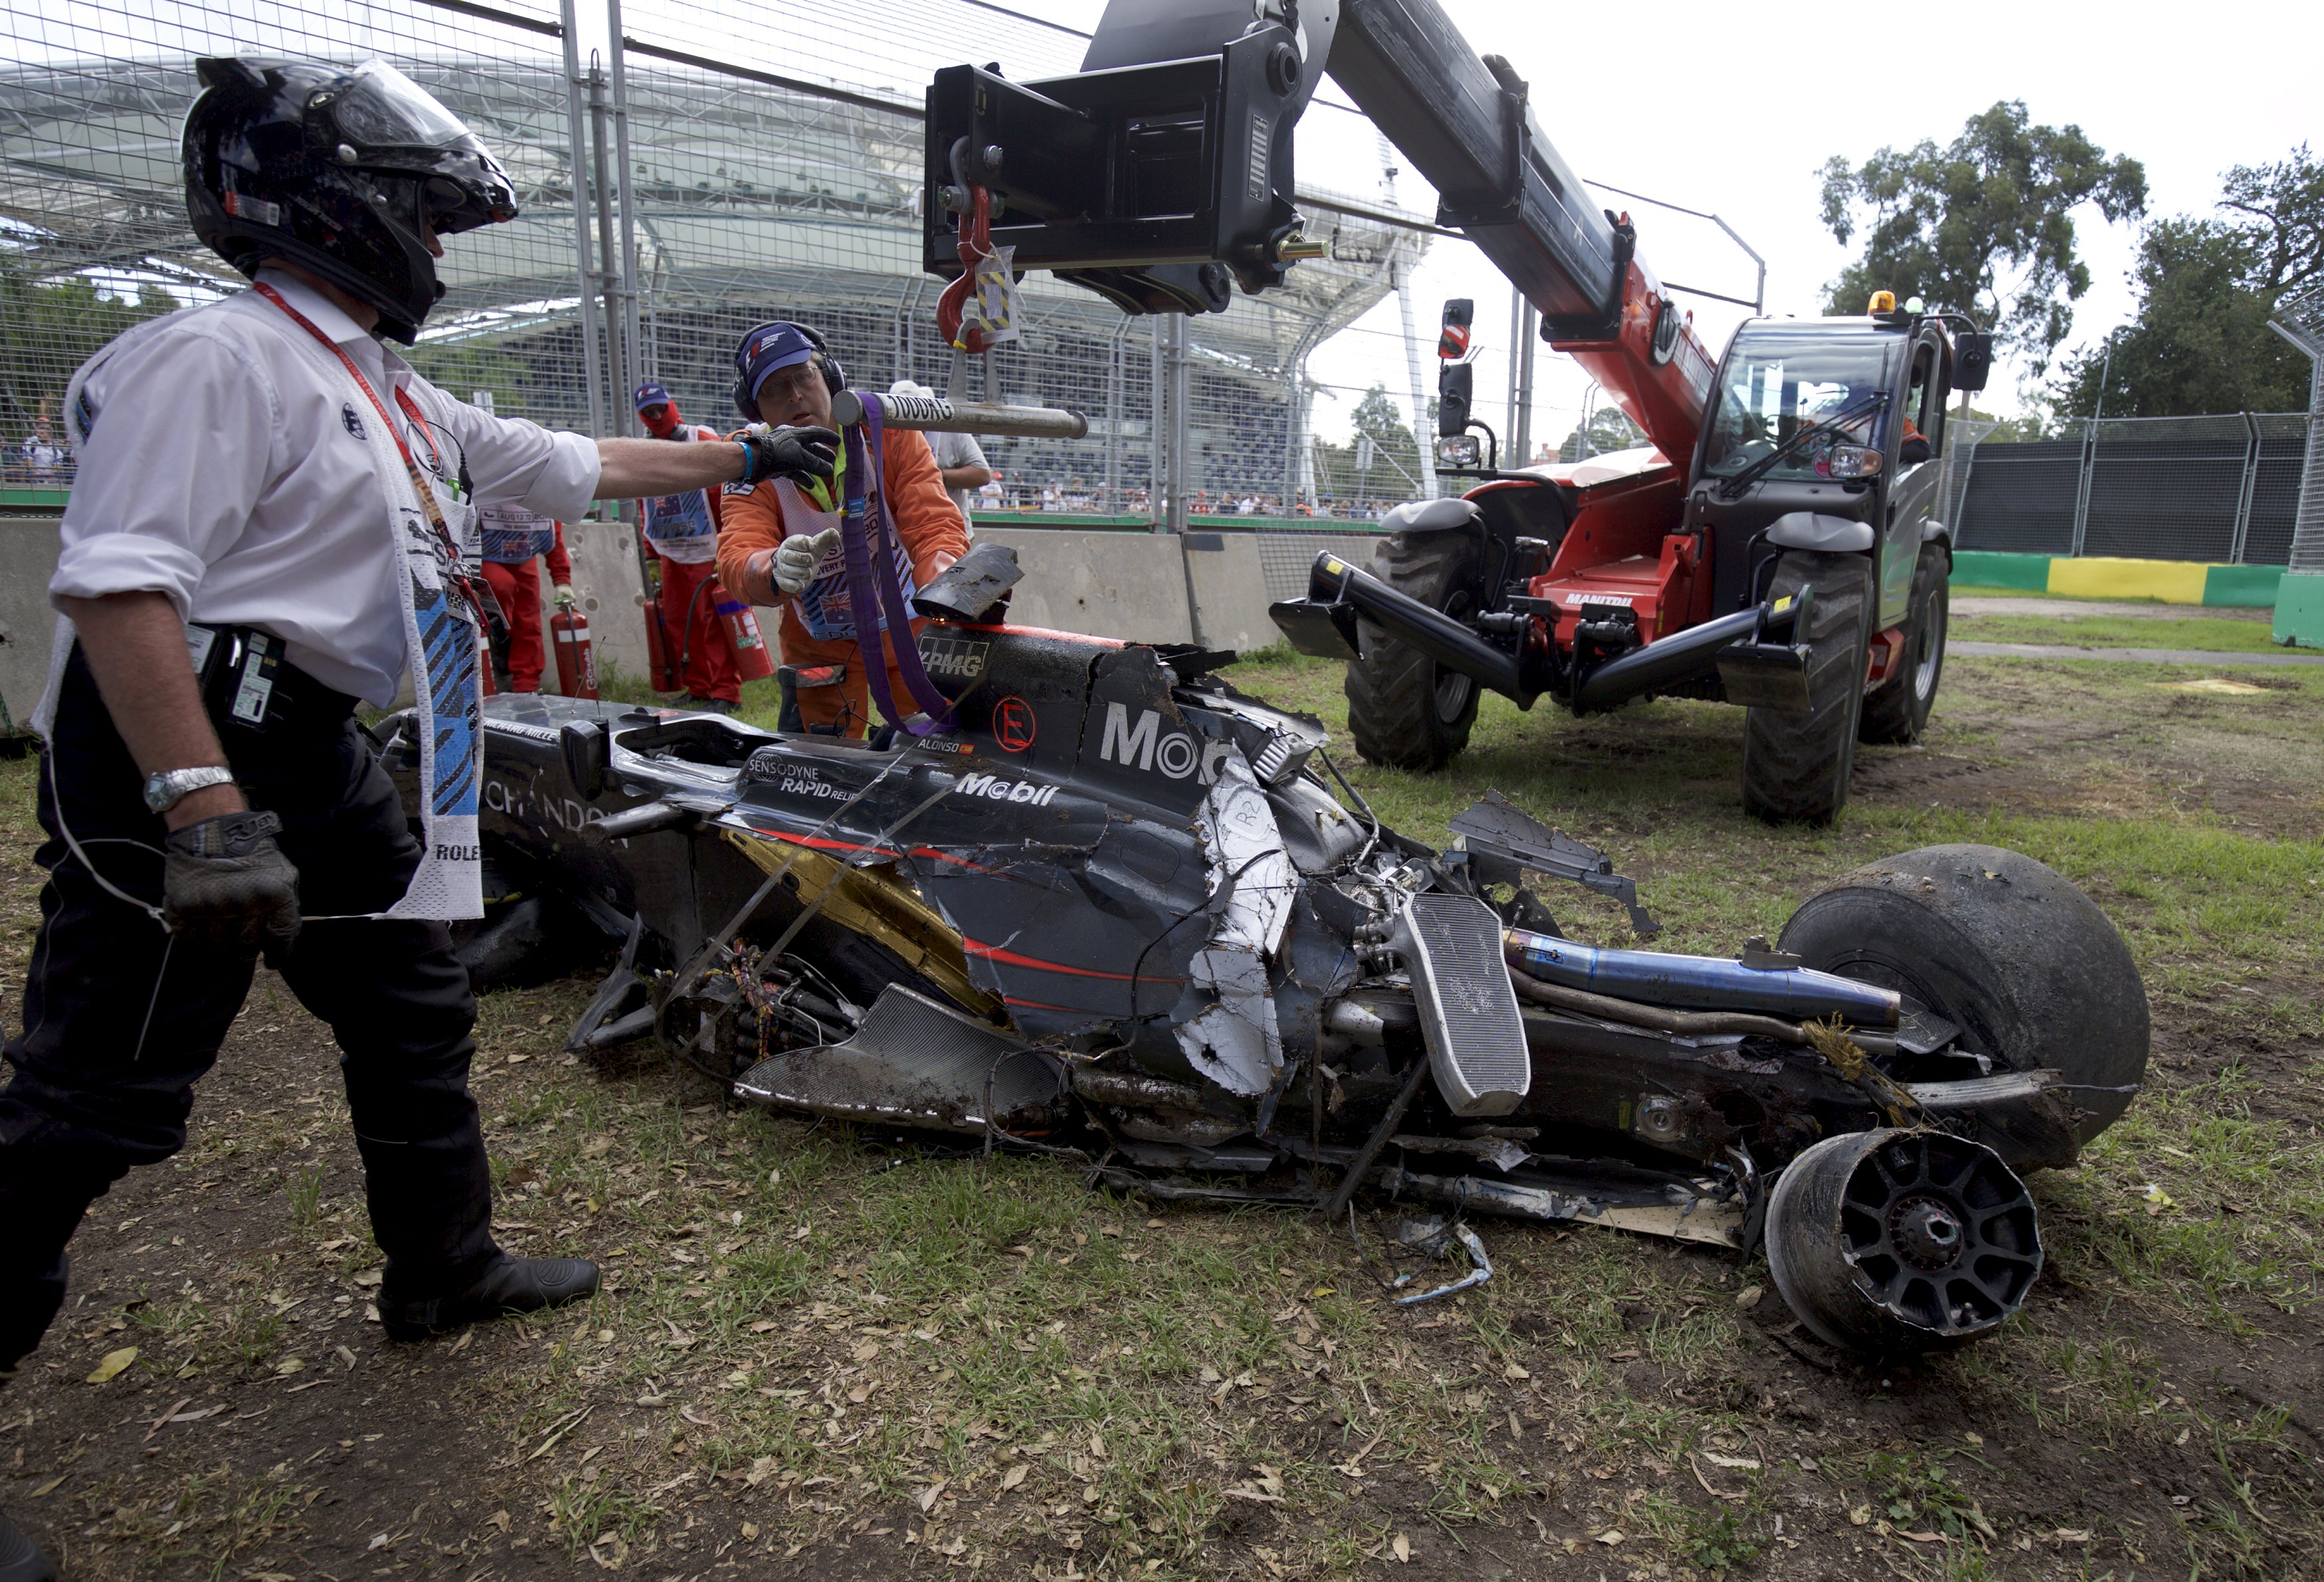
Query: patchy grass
{"points": [[832, 1352], [2233, 637]]}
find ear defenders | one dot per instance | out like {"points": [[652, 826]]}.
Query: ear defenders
{"points": [[834, 377]]}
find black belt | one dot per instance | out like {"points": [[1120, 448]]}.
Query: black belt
{"points": [[248, 685]]}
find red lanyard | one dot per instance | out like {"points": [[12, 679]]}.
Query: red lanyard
{"points": [[448, 551]]}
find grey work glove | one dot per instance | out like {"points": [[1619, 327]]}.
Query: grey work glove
{"points": [[804, 456], [224, 884], [796, 560]]}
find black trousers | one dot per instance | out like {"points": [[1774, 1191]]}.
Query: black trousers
{"points": [[121, 1019]]}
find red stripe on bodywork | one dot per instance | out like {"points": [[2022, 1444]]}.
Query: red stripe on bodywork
{"points": [[1013, 958], [825, 843]]}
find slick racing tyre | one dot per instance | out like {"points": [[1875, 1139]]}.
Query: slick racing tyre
{"points": [[1405, 710], [1898, 710], [1796, 765], [2013, 953]]}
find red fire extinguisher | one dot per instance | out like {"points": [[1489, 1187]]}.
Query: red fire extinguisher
{"points": [[576, 657], [751, 656]]}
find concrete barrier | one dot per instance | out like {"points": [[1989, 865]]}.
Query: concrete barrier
{"points": [[28, 559], [1135, 586], [1231, 591], [605, 581], [1126, 585]]}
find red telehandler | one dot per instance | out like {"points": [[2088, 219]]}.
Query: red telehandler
{"points": [[1779, 545]]}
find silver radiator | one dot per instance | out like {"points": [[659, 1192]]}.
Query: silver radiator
{"points": [[1451, 946]]}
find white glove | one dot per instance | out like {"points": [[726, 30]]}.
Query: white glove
{"points": [[796, 560]]}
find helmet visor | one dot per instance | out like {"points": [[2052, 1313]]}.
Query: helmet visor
{"points": [[380, 107]]}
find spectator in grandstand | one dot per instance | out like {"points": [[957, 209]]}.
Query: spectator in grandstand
{"points": [[782, 543], [991, 496], [959, 459], [682, 532], [39, 458]]}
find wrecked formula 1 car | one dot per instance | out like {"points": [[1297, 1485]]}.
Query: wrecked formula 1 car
{"points": [[1115, 908]]}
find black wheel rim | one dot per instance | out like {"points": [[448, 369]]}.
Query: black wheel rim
{"points": [[1941, 1233], [1929, 649]]}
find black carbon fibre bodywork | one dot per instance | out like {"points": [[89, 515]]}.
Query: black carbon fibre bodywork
{"points": [[1115, 906]]}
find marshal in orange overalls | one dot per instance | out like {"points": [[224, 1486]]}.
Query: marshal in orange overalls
{"points": [[932, 535]]}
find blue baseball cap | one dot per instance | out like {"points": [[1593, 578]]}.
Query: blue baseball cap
{"points": [[651, 394], [767, 349]]}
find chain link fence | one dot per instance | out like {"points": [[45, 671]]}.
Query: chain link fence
{"points": [[689, 181], [2218, 489]]}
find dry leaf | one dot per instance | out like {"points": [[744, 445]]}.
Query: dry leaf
{"points": [[1612, 1535], [1015, 1475], [1513, 1371], [1401, 1547], [2072, 1535], [1739, 1463], [927, 1497], [1749, 1297], [114, 1361]]}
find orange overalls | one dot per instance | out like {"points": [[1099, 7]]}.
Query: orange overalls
{"points": [[932, 535]]}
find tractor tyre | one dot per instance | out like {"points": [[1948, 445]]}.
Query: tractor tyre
{"points": [[1405, 710], [1897, 710], [2034, 973], [1796, 765]]}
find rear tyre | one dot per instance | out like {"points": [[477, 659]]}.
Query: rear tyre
{"points": [[1795, 765], [1898, 711], [1405, 710], [2026, 964]]}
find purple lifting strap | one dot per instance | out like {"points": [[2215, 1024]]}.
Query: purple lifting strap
{"points": [[868, 538]]}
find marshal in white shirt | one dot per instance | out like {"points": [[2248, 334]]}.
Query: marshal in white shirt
{"points": [[221, 470]]}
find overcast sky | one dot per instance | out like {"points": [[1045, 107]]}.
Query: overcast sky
{"points": [[1732, 109]]}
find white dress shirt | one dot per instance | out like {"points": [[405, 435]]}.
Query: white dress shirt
{"points": [[222, 471]]}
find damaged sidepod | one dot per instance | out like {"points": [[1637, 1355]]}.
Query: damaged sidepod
{"points": [[1115, 908]]}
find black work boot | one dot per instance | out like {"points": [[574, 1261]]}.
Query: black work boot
{"points": [[20, 1559], [507, 1285]]}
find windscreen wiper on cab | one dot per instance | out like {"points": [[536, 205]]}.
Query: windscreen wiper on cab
{"points": [[1732, 488]]}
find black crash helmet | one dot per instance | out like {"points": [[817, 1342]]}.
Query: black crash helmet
{"points": [[340, 172]]}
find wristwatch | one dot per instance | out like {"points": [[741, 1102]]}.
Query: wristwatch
{"points": [[165, 789]]}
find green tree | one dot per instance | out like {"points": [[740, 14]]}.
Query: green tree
{"points": [[2199, 341], [461, 368], [1395, 471], [1610, 428], [49, 327], [1983, 226]]}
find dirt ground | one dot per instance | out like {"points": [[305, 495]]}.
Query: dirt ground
{"points": [[831, 1354]]}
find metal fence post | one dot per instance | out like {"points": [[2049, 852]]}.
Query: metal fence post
{"points": [[580, 166], [608, 270], [2082, 488], [2244, 496], [1157, 467], [1521, 436], [1180, 421], [633, 336]]}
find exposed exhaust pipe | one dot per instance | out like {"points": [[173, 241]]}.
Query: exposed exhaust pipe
{"points": [[1336, 589], [1712, 982]]}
